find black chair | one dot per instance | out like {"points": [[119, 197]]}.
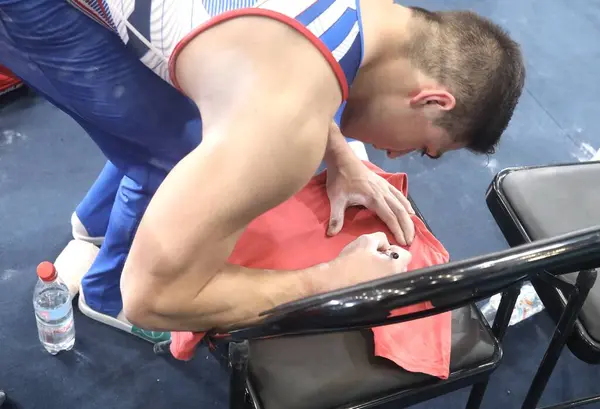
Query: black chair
{"points": [[317, 352], [534, 203]]}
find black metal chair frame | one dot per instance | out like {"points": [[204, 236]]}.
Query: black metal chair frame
{"points": [[562, 299], [447, 286]]}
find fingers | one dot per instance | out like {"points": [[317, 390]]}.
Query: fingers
{"points": [[394, 209], [403, 218], [336, 217], [399, 263], [377, 242], [390, 205], [402, 199], [392, 221], [374, 242]]}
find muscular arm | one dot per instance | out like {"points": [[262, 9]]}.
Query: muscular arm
{"points": [[338, 151], [266, 121]]}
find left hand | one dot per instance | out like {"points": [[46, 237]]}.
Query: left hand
{"points": [[354, 184]]}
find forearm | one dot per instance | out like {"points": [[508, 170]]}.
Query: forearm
{"points": [[235, 295], [338, 151]]}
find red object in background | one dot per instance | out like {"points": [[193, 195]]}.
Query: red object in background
{"points": [[8, 81]]}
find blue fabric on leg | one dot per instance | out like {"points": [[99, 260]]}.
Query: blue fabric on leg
{"points": [[101, 284], [95, 208], [133, 116], [142, 124]]}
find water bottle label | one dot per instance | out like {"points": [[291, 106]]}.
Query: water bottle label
{"points": [[49, 332], [54, 314]]}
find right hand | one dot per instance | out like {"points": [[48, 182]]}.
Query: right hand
{"points": [[365, 259]]}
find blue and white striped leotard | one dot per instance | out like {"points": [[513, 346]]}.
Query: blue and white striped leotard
{"points": [[156, 30]]}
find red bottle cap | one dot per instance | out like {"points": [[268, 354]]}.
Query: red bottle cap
{"points": [[46, 271]]}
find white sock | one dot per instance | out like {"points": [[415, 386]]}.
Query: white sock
{"points": [[74, 261], [80, 232]]}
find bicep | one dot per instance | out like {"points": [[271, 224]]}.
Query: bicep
{"points": [[265, 121], [240, 172]]}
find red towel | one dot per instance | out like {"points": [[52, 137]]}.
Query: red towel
{"points": [[293, 236]]}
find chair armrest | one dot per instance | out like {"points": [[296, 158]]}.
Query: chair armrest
{"points": [[453, 285]]}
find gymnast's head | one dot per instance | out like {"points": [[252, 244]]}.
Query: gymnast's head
{"points": [[446, 80]]}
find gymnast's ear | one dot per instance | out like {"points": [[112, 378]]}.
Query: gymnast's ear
{"points": [[441, 98]]}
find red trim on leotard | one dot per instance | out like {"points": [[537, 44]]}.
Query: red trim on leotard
{"points": [[83, 7], [103, 10], [335, 66]]}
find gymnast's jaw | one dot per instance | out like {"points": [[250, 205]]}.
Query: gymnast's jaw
{"points": [[397, 134], [393, 154]]}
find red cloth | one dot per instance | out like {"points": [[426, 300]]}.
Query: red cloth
{"points": [[7, 80], [293, 236]]}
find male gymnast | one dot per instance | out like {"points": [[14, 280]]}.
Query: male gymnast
{"points": [[267, 79]]}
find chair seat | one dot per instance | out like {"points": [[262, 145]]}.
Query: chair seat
{"points": [[330, 370], [553, 200]]}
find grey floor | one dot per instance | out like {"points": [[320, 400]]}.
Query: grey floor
{"points": [[46, 164]]}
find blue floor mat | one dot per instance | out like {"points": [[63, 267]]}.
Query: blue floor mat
{"points": [[559, 42], [46, 165]]}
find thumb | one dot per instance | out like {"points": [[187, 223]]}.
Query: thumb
{"points": [[336, 218]]}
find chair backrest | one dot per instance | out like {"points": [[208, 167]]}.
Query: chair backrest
{"points": [[447, 286]]}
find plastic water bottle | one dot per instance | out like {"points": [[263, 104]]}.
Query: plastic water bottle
{"points": [[528, 304], [53, 310], [490, 308]]}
